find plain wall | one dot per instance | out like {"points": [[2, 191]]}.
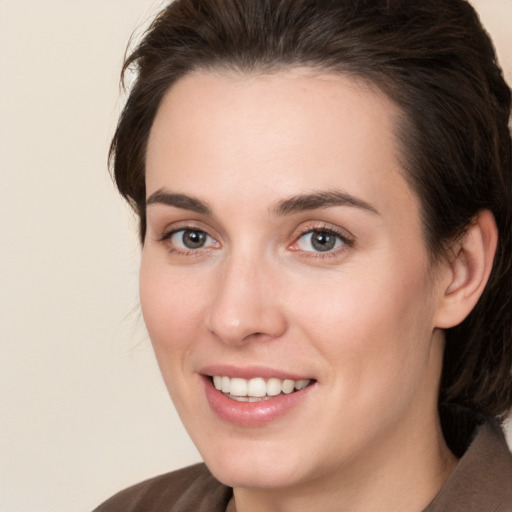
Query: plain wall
{"points": [[83, 411]]}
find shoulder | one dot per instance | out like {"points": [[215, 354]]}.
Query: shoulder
{"points": [[190, 489], [482, 480]]}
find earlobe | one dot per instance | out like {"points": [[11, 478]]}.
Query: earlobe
{"points": [[468, 271]]}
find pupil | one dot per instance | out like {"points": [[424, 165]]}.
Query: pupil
{"points": [[194, 239], [323, 241]]}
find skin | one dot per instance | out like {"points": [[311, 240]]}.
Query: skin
{"points": [[361, 319]]}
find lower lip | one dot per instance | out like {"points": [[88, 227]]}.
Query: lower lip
{"points": [[252, 414]]}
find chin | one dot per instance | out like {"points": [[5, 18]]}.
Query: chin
{"points": [[245, 473], [254, 464]]}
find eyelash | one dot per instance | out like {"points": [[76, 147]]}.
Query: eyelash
{"points": [[166, 237], [346, 242]]}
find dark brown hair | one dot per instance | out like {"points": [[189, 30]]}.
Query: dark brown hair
{"points": [[434, 60]]}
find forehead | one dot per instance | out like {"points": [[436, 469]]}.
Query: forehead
{"points": [[280, 133]]}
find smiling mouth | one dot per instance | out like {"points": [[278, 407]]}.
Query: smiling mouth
{"points": [[257, 389]]}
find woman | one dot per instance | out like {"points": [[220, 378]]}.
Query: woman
{"points": [[324, 193]]}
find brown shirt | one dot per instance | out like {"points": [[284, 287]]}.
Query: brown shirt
{"points": [[481, 482]]}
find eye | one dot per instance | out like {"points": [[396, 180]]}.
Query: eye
{"points": [[190, 239], [320, 240]]}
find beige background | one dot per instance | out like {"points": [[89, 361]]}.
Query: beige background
{"points": [[82, 410]]}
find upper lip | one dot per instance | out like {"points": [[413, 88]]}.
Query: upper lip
{"points": [[251, 372]]}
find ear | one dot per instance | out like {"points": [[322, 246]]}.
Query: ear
{"points": [[465, 275]]}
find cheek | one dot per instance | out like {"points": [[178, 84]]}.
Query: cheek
{"points": [[171, 304], [376, 321]]}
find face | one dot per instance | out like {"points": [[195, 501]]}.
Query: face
{"points": [[284, 264]]}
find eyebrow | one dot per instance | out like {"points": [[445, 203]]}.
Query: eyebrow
{"points": [[295, 204], [179, 201], [318, 200]]}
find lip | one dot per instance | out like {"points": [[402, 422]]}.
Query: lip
{"points": [[250, 372], [252, 414]]}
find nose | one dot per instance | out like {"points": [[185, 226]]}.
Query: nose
{"points": [[245, 305]]}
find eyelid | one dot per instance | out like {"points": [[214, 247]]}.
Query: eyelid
{"points": [[208, 239], [167, 233], [347, 238], [162, 231]]}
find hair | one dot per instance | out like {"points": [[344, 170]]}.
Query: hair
{"points": [[436, 62]]}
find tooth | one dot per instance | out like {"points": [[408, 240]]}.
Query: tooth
{"points": [[226, 381], [301, 384], [217, 382], [257, 388], [273, 387], [287, 386], [238, 387]]}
